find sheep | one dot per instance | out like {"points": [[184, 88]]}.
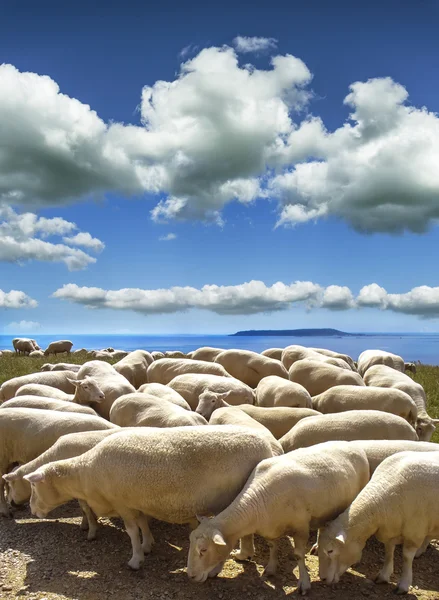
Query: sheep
{"points": [[47, 404], [58, 379], [170, 474], [294, 353], [290, 493], [206, 353], [24, 345], [157, 355], [276, 391], [80, 351], [112, 384], [67, 446], [100, 355], [58, 347], [87, 391], [7, 352], [192, 385], [369, 358], [250, 367], [410, 366], [174, 354], [25, 433], [134, 367], [275, 353], [399, 505], [118, 354], [164, 370], [387, 377], [165, 393], [317, 377], [60, 367], [36, 354], [333, 354], [146, 410], [351, 425], [44, 391], [379, 450], [350, 397]]}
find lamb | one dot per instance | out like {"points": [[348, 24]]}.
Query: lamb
{"points": [[379, 450], [112, 384], [333, 354], [206, 353], [165, 393], [387, 377], [149, 472], [276, 391], [24, 345], [60, 367], [47, 404], [351, 425], [250, 367], [324, 480], [146, 410], [58, 347], [44, 391], [192, 385], [61, 380], [67, 446], [134, 367], [317, 377], [350, 397], [275, 353], [294, 353], [399, 505], [164, 370], [25, 433]]}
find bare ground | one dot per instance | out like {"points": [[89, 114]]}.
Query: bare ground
{"points": [[52, 560]]}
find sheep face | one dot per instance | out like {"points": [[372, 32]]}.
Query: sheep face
{"points": [[87, 391], [336, 555], [209, 401], [207, 553], [425, 427], [44, 496], [18, 490], [46, 367]]}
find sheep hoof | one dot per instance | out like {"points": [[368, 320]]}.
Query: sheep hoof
{"points": [[381, 579], [134, 565], [91, 536], [303, 588], [269, 571], [400, 591]]}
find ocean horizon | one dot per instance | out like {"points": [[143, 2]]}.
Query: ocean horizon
{"points": [[423, 347]]}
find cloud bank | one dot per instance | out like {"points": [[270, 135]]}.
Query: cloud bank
{"points": [[23, 326]]}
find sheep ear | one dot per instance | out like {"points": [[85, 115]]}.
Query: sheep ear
{"points": [[13, 476], [200, 518], [341, 537], [75, 382], [35, 477], [435, 421], [218, 539]]}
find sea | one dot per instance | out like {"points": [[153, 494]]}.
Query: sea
{"points": [[423, 347]]}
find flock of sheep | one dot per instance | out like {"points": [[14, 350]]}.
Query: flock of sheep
{"points": [[234, 443]]}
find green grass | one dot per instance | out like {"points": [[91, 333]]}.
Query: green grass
{"points": [[14, 366]]}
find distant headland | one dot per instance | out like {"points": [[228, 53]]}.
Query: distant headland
{"points": [[297, 333]]}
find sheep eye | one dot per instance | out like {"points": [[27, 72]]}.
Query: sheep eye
{"points": [[85, 387], [330, 551]]}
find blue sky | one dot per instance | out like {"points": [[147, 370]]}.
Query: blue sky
{"points": [[257, 172]]}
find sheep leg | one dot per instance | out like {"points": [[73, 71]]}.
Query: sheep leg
{"points": [[315, 547], [147, 537], [271, 567], [89, 520], [133, 531], [423, 548], [300, 542], [408, 554], [246, 548], [387, 569], [4, 509]]}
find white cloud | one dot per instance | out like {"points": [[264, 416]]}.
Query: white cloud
{"points": [[23, 326], [23, 238], [254, 44], [168, 238], [336, 297], [16, 299]]}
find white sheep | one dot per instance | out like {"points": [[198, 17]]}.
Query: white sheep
{"points": [[170, 474], [58, 347], [399, 505], [352, 397], [192, 385], [175, 354], [206, 353], [60, 367], [275, 353], [276, 391], [164, 370], [379, 450], [36, 354], [294, 353], [351, 425], [250, 367], [146, 410], [369, 358], [286, 494], [24, 345], [157, 355], [44, 391], [165, 393], [134, 367], [62, 380], [387, 377], [333, 354], [317, 377], [47, 404], [25, 433]]}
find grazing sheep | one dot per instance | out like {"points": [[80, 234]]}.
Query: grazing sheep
{"points": [[285, 494], [165, 393], [170, 474], [250, 367], [58, 347], [351, 397], [36, 354], [387, 377], [351, 425], [58, 379], [166, 369], [399, 505], [25, 433], [317, 377], [333, 354], [379, 450], [146, 410], [44, 391], [134, 367], [60, 367], [275, 353], [67, 446], [294, 353], [206, 353], [192, 385], [276, 391], [112, 384], [24, 345], [47, 404]]}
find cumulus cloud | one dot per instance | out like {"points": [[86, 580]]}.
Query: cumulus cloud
{"points": [[336, 297], [23, 326], [16, 299], [24, 236], [168, 238], [254, 44]]}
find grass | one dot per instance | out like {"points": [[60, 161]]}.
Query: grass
{"points": [[14, 366]]}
